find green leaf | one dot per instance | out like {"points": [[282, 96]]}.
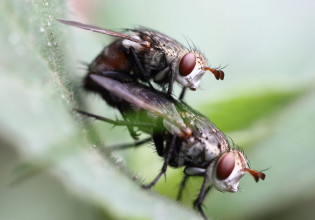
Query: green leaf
{"points": [[242, 112], [288, 190], [39, 88], [36, 119]]}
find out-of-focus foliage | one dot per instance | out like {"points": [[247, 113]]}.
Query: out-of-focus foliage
{"points": [[266, 104], [242, 112], [37, 122]]}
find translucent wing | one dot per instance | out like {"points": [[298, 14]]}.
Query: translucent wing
{"points": [[104, 31], [144, 98]]}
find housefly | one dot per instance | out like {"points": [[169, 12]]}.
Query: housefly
{"points": [[181, 135], [149, 55]]}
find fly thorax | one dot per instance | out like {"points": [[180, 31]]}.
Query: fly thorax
{"points": [[192, 152], [213, 147], [155, 59]]}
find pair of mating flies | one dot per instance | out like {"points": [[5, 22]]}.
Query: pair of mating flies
{"points": [[122, 74]]}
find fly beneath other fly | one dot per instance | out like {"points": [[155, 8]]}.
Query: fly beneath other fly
{"points": [[149, 55], [181, 135]]}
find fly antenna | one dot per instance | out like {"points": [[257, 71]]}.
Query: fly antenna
{"points": [[256, 174], [218, 73]]}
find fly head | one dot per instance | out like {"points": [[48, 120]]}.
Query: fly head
{"points": [[227, 171], [190, 69]]}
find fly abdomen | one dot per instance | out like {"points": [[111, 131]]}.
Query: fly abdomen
{"points": [[112, 58]]}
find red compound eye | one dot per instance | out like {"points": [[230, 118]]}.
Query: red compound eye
{"points": [[226, 166], [187, 64]]}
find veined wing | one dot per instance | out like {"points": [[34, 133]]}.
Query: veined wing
{"points": [[104, 31], [144, 98]]}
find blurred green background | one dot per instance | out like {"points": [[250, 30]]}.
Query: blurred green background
{"points": [[50, 166]]}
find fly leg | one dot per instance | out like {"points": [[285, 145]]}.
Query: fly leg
{"points": [[170, 83], [171, 79], [115, 122], [158, 137], [197, 171], [158, 142], [182, 94], [143, 73], [201, 196], [135, 144], [167, 157], [181, 188], [119, 123]]}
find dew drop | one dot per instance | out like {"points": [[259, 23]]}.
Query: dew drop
{"points": [[41, 29], [49, 44], [48, 23], [46, 3]]}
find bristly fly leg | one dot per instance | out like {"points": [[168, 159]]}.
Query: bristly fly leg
{"points": [[169, 151], [190, 171], [115, 122], [181, 187], [204, 190], [145, 75], [128, 124], [182, 94], [171, 79], [170, 83], [129, 145]]}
